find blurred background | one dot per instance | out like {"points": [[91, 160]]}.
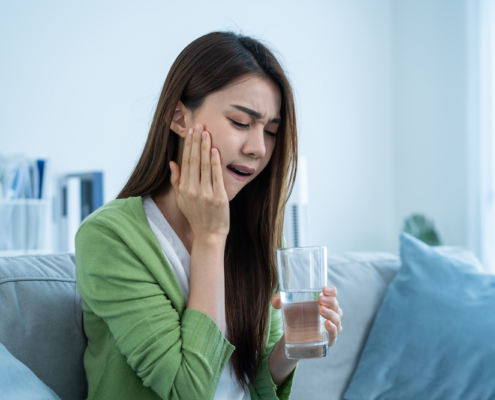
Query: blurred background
{"points": [[393, 100]]}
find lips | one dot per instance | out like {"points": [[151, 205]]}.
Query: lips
{"points": [[241, 169]]}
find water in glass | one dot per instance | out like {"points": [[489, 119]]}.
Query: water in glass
{"points": [[304, 327]]}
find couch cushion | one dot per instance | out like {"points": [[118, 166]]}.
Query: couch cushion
{"points": [[40, 320], [19, 382], [433, 335], [361, 279]]}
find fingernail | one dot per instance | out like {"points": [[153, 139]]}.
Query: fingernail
{"points": [[190, 132], [204, 135], [198, 128], [214, 152]]}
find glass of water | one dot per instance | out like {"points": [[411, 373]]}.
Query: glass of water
{"points": [[302, 274]]}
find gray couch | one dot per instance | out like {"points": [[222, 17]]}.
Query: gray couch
{"points": [[40, 319]]}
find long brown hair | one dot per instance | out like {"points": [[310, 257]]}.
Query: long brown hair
{"points": [[205, 66]]}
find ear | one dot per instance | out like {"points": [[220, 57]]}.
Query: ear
{"points": [[180, 121]]}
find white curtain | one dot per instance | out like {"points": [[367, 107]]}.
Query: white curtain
{"points": [[481, 125]]}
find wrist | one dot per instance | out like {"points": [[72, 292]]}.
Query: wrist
{"points": [[280, 366], [210, 239]]}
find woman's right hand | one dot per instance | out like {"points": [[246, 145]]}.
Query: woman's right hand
{"points": [[199, 187]]}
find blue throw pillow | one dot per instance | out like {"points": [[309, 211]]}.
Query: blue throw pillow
{"points": [[18, 382], [434, 334]]}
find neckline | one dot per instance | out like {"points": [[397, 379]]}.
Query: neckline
{"points": [[163, 220], [176, 296]]}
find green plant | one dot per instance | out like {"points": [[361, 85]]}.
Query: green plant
{"points": [[422, 228]]}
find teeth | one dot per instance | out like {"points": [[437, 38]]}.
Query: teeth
{"points": [[241, 172], [238, 171]]}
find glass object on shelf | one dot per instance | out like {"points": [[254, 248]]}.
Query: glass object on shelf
{"points": [[25, 226], [25, 205]]}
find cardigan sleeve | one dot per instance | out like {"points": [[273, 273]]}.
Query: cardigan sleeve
{"points": [[179, 357], [265, 388]]}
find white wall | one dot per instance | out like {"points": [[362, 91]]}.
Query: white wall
{"points": [[80, 82], [345, 93], [430, 114]]}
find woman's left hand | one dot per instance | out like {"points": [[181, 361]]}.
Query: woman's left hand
{"points": [[329, 309]]}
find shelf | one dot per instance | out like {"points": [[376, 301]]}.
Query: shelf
{"points": [[25, 226], [15, 253], [26, 201]]}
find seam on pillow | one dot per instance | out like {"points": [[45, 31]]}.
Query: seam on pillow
{"points": [[36, 256], [35, 278], [367, 262]]}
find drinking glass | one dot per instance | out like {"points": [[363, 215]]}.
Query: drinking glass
{"points": [[302, 274]]}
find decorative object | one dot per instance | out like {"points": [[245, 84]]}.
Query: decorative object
{"points": [[422, 228]]}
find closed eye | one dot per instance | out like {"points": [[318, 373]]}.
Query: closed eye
{"points": [[244, 126]]}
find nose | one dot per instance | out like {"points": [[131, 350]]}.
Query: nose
{"points": [[255, 143]]}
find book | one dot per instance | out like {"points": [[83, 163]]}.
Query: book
{"points": [[35, 179], [91, 192], [71, 212], [81, 194]]}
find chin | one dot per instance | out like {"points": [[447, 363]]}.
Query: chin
{"points": [[231, 195], [231, 188]]}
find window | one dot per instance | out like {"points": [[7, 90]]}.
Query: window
{"points": [[481, 137]]}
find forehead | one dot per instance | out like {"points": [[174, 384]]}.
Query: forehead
{"points": [[261, 95]]}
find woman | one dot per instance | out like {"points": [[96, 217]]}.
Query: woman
{"points": [[177, 273]]}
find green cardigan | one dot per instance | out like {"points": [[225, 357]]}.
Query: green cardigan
{"points": [[142, 341]]}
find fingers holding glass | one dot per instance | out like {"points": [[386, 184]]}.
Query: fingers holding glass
{"points": [[333, 323], [329, 302]]}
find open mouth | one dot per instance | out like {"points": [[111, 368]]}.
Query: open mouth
{"points": [[238, 171]]}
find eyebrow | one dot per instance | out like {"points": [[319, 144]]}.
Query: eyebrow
{"points": [[253, 113]]}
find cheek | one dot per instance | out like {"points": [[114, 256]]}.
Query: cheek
{"points": [[270, 148], [228, 144], [220, 135]]}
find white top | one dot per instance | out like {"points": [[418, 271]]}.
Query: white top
{"points": [[180, 260]]}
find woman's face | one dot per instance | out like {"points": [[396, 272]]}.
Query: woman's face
{"points": [[243, 121]]}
